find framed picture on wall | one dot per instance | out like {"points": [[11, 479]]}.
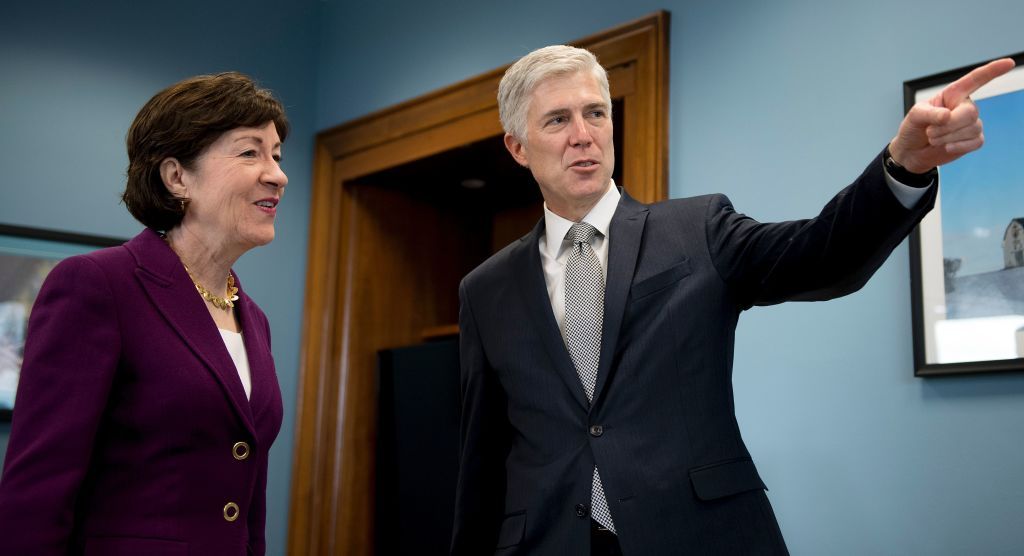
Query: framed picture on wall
{"points": [[26, 256], [967, 255]]}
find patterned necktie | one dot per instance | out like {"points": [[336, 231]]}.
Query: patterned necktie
{"points": [[584, 317]]}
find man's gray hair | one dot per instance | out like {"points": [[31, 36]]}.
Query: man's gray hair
{"points": [[524, 76]]}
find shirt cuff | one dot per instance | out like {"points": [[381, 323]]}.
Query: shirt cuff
{"points": [[907, 196]]}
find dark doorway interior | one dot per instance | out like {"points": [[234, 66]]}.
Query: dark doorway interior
{"points": [[417, 448]]}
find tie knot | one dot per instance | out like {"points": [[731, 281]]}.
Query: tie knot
{"points": [[581, 232]]}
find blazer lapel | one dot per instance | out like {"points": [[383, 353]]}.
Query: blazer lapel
{"points": [[165, 281], [624, 237], [257, 349], [529, 276]]}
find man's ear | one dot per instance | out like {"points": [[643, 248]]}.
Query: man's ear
{"points": [[172, 173], [517, 149]]}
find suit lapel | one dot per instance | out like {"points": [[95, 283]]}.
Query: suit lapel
{"points": [[624, 237], [529, 276], [165, 281], [257, 349]]}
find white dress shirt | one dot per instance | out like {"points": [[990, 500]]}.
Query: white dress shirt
{"points": [[907, 196], [236, 349]]}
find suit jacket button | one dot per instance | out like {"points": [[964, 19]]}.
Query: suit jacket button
{"points": [[240, 450], [581, 510], [231, 511], [596, 430]]}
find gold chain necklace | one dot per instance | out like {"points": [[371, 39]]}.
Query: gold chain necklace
{"points": [[223, 303]]}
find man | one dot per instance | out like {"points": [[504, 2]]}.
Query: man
{"points": [[597, 350]]}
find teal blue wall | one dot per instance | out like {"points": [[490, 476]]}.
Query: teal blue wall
{"points": [[72, 77], [778, 104]]}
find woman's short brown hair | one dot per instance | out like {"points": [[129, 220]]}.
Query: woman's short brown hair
{"points": [[180, 122]]}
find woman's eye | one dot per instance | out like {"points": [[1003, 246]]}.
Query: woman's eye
{"points": [[249, 154], [277, 158]]}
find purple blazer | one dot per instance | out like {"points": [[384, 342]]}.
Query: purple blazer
{"points": [[132, 433]]}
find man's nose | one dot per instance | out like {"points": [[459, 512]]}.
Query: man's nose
{"points": [[579, 133]]}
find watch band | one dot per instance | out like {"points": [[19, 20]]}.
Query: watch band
{"points": [[904, 176]]}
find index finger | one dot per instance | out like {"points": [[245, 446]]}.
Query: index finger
{"points": [[957, 91]]}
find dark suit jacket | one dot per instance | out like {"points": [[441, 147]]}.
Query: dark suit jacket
{"points": [[662, 427], [127, 414]]}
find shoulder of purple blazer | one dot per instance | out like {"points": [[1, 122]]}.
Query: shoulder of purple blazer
{"points": [[115, 263], [111, 257], [106, 261]]}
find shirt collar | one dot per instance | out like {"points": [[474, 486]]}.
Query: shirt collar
{"points": [[600, 217]]}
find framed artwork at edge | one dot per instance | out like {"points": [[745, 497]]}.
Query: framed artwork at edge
{"points": [[26, 256], [967, 255]]}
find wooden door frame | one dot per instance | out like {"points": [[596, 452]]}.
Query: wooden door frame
{"points": [[332, 493]]}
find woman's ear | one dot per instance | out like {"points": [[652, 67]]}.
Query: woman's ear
{"points": [[172, 172]]}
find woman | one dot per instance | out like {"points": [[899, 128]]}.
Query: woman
{"points": [[148, 398]]}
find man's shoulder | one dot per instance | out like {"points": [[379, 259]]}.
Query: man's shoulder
{"points": [[698, 204], [499, 266]]}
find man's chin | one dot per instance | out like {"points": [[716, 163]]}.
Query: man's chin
{"points": [[595, 185]]}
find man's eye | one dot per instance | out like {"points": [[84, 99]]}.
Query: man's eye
{"points": [[556, 120], [597, 114]]}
